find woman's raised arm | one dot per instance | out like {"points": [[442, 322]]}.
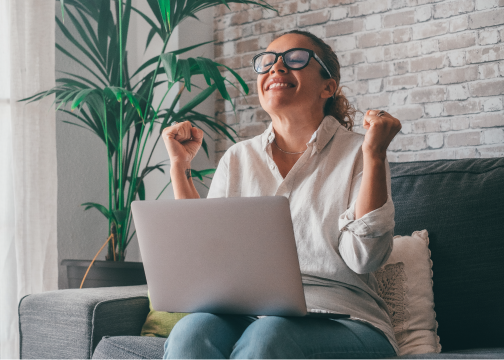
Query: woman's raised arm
{"points": [[182, 142], [381, 129]]}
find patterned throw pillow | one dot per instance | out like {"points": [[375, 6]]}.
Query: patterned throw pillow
{"points": [[405, 283]]}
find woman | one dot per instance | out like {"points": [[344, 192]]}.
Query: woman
{"points": [[309, 155]]}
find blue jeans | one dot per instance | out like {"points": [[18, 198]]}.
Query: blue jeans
{"points": [[209, 336]]}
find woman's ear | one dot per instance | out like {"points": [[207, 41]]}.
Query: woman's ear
{"points": [[329, 89]]}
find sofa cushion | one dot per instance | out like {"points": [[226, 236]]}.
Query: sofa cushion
{"points": [[461, 204], [130, 347], [68, 324], [141, 347]]}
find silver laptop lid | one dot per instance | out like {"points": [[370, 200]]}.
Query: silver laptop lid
{"points": [[223, 255]]}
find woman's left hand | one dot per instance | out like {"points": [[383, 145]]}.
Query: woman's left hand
{"points": [[380, 132]]}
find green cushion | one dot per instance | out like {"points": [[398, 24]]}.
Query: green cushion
{"points": [[160, 323]]}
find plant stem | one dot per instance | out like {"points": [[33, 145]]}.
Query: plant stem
{"points": [[121, 115], [134, 171], [110, 175], [169, 182], [120, 106]]}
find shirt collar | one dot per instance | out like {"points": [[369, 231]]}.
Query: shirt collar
{"points": [[320, 137]]}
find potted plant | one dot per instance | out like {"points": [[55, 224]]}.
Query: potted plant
{"points": [[122, 113]]}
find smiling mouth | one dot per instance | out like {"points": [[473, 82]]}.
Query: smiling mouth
{"points": [[279, 86]]}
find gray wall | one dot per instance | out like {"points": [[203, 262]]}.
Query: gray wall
{"points": [[82, 164], [82, 177]]}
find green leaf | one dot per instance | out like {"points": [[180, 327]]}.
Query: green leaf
{"points": [[210, 70], [113, 59], [184, 70], [60, 48], [100, 208], [141, 191], [37, 96], [149, 169], [202, 66], [66, 98], [205, 147], [95, 102], [154, 6], [72, 39], [89, 28], [134, 102], [207, 171], [152, 32], [86, 80], [72, 82], [125, 23], [169, 61], [85, 119], [72, 123], [195, 101], [195, 173], [186, 49], [103, 24], [200, 173], [62, 10], [115, 92], [154, 27], [238, 77], [149, 62], [80, 97], [165, 8], [84, 36], [193, 115], [120, 216]]}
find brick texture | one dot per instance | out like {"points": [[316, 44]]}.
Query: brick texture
{"points": [[436, 65]]}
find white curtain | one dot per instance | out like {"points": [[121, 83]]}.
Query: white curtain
{"points": [[28, 182]]}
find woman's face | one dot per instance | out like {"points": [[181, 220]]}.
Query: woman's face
{"points": [[302, 91]]}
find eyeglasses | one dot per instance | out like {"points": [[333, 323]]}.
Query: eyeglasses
{"points": [[293, 59]]}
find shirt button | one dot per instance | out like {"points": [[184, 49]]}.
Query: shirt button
{"points": [[272, 167]]}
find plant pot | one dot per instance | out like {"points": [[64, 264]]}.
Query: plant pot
{"points": [[104, 273]]}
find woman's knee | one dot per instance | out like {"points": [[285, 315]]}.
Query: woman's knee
{"points": [[207, 324], [268, 337], [203, 335], [193, 325], [189, 336]]}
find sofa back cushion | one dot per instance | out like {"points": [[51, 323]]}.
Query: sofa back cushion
{"points": [[461, 204]]}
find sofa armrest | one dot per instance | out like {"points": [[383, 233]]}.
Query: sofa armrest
{"points": [[70, 323]]}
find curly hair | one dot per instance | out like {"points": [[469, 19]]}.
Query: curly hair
{"points": [[337, 106]]}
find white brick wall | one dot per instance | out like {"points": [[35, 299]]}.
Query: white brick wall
{"points": [[438, 66]]}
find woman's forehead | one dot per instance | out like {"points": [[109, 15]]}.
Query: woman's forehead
{"points": [[289, 41]]}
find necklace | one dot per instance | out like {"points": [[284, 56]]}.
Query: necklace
{"points": [[292, 153]]}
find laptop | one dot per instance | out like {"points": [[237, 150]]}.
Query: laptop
{"points": [[222, 255]]}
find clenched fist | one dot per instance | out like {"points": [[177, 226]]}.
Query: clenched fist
{"points": [[381, 129], [182, 141]]}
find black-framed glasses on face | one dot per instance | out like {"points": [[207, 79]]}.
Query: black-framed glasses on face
{"points": [[293, 59]]}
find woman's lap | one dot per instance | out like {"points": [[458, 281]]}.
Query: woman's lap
{"points": [[203, 335]]}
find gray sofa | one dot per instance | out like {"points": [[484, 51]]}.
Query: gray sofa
{"points": [[460, 203]]}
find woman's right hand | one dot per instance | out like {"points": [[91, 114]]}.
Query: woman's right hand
{"points": [[182, 141]]}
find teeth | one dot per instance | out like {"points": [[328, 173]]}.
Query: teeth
{"points": [[275, 85]]}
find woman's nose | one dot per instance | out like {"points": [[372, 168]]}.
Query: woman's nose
{"points": [[278, 66]]}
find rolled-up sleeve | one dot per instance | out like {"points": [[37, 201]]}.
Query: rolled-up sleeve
{"points": [[366, 243]]}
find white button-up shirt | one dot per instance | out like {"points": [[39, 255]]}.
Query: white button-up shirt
{"points": [[337, 254]]}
